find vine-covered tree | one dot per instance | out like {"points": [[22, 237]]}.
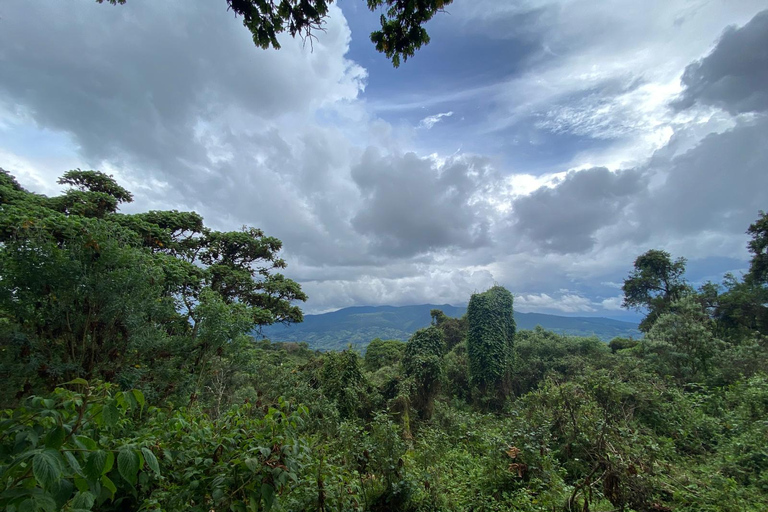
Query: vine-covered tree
{"points": [[423, 362], [490, 337], [402, 22], [654, 284]]}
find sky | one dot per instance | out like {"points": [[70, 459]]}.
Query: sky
{"points": [[537, 144]]}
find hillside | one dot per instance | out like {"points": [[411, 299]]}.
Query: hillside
{"points": [[359, 325]]}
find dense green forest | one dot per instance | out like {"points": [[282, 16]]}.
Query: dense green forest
{"points": [[359, 325], [132, 382]]}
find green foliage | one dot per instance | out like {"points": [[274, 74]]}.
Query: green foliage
{"points": [[682, 341], [401, 33], [758, 246], [540, 354], [146, 300], [380, 353], [342, 380], [104, 448], [654, 284], [423, 362], [618, 343], [60, 452], [454, 329], [490, 337]]}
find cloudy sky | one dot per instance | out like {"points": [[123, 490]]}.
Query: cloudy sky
{"points": [[538, 144]]}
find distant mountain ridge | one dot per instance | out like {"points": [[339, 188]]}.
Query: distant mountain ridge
{"points": [[359, 325]]}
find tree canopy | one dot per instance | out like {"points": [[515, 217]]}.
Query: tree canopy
{"points": [[654, 284], [89, 292], [402, 22]]}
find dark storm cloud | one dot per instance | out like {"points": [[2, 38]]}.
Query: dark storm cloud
{"points": [[412, 205], [718, 186], [734, 76], [566, 217]]}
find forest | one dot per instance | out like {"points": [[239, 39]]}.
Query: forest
{"points": [[132, 381]]}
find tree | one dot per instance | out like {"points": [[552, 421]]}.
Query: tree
{"points": [[758, 246], [654, 284], [422, 361], [682, 340], [490, 337], [90, 292], [342, 381], [454, 329], [402, 23], [380, 353]]}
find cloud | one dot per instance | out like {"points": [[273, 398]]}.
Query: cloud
{"points": [[734, 75], [413, 205], [718, 186], [430, 121], [589, 165], [613, 303], [565, 218], [563, 302]]}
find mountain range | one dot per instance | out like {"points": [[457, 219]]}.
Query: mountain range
{"points": [[360, 324]]}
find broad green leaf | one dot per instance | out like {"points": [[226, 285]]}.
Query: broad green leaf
{"points": [[73, 463], [96, 465], [79, 381], [252, 463], [110, 414], [83, 500], [85, 443], [268, 494], [109, 463], [151, 460], [47, 468], [130, 400], [45, 502], [81, 483], [128, 465], [55, 437], [109, 484], [63, 493], [139, 396]]}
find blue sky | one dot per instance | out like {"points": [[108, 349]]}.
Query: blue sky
{"points": [[538, 144]]}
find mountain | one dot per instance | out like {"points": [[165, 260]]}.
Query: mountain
{"points": [[359, 325]]}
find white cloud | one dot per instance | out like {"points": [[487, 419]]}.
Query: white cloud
{"points": [[430, 121], [564, 302], [613, 303]]}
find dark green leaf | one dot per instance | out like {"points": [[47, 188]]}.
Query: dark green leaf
{"points": [[73, 463], [47, 468], [109, 485], [139, 396], [268, 495], [151, 460], [110, 414], [55, 437], [128, 465], [83, 500], [94, 466]]}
